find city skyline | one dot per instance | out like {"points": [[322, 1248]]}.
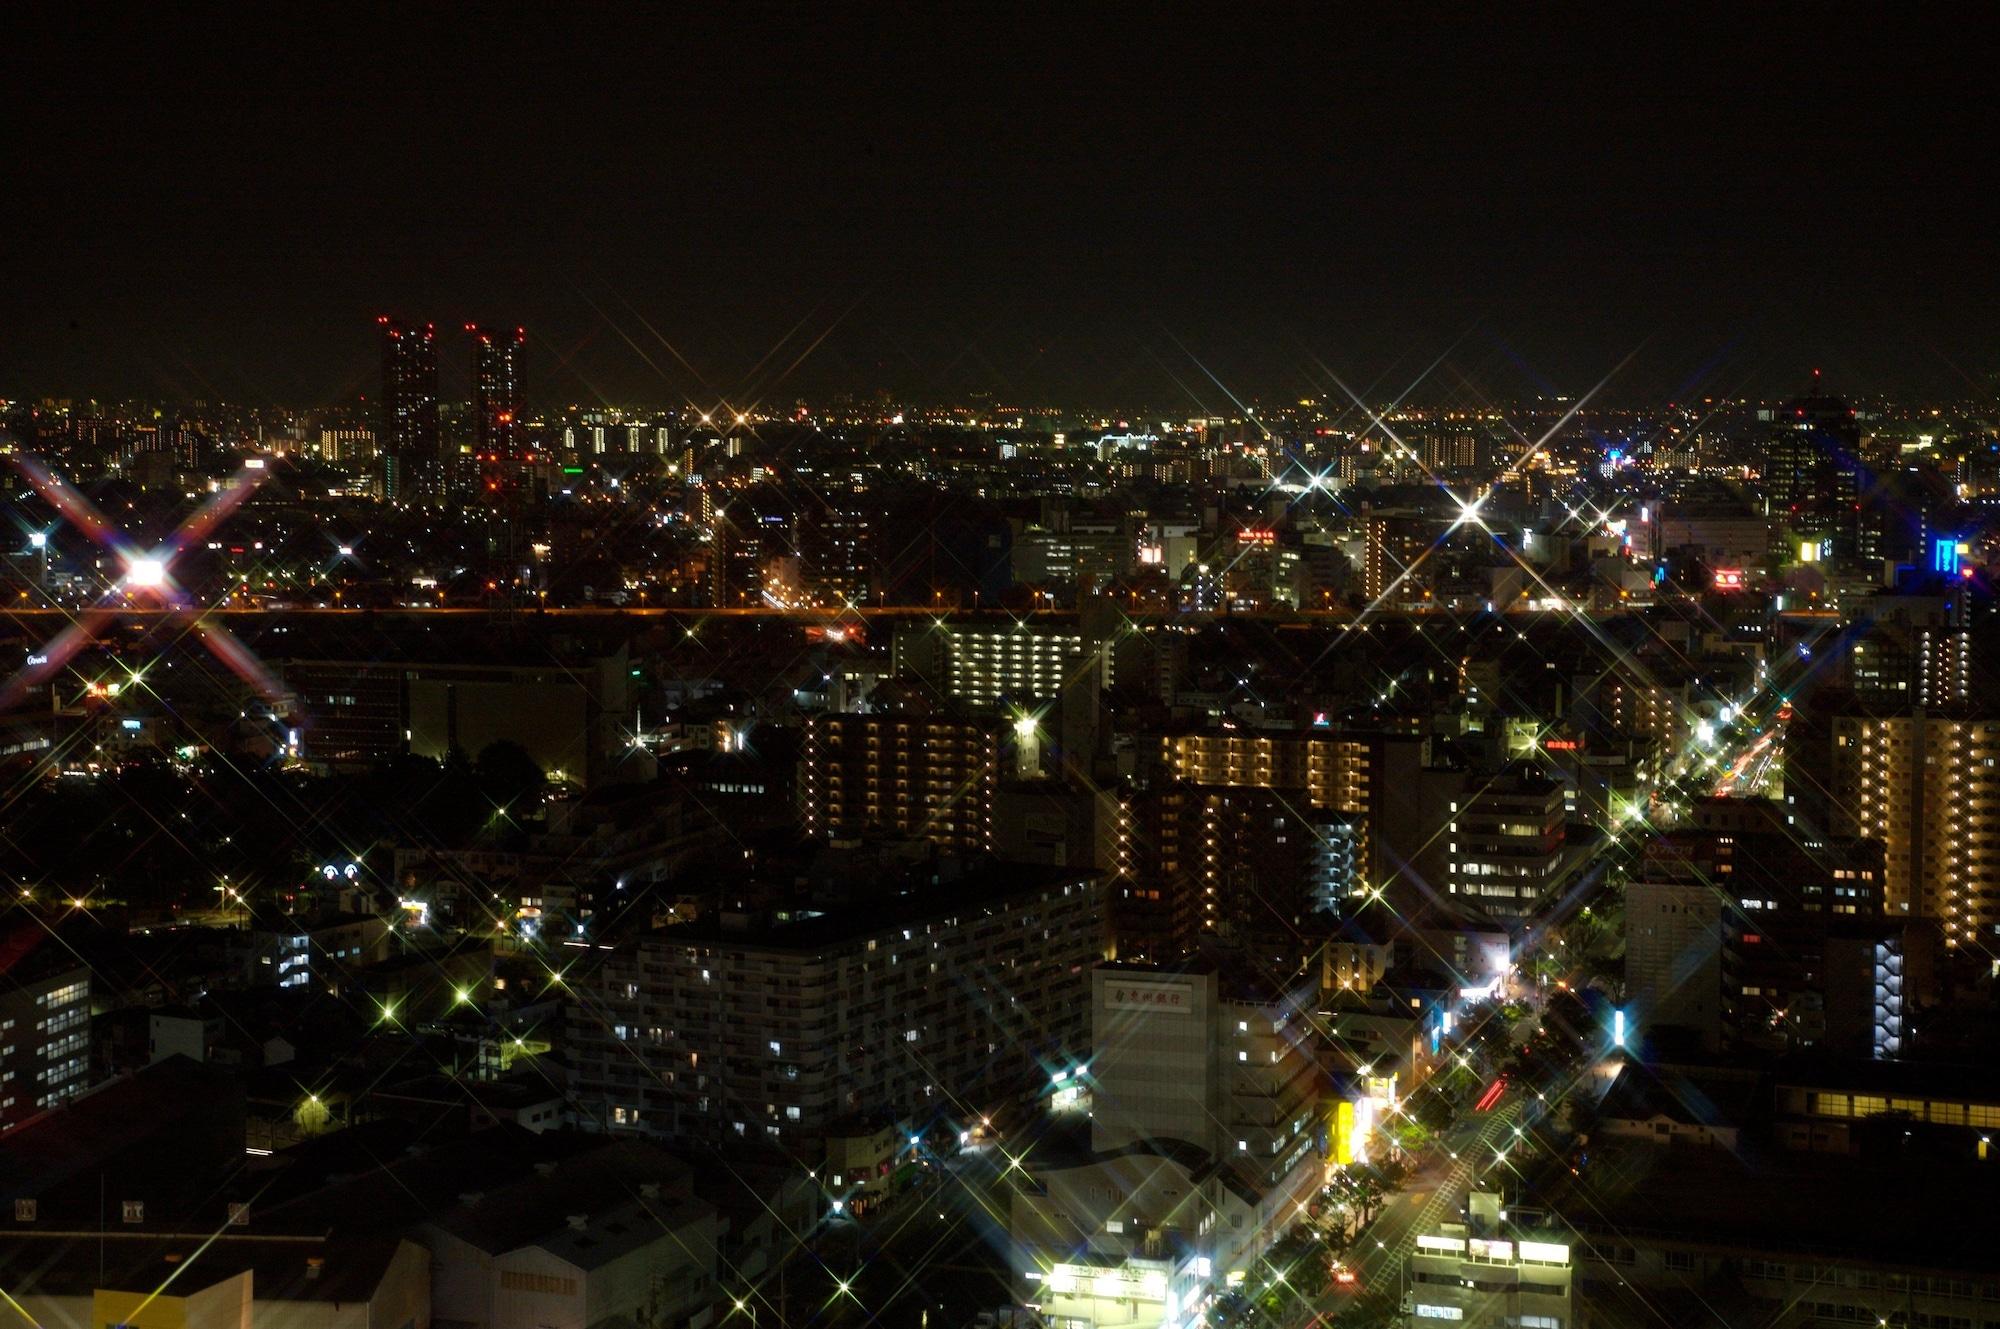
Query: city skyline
{"points": [[958, 667]]}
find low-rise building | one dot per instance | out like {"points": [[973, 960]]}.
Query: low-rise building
{"points": [[209, 1280], [1497, 1270], [616, 1236]]}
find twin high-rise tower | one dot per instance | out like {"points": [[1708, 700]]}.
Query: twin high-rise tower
{"points": [[411, 451], [496, 391], [416, 464]]}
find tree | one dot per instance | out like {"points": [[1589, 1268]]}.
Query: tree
{"points": [[1409, 1133]]}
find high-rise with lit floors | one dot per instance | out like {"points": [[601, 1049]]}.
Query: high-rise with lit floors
{"points": [[982, 664], [1506, 840], [1912, 649], [1927, 785], [910, 770], [1259, 866], [496, 401], [412, 464], [920, 993], [1813, 475]]}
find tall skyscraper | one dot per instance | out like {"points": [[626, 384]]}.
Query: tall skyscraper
{"points": [[496, 398], [1813, 473], [412, 465]]}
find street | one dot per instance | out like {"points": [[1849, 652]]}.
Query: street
{"points": [[1434, 1193]]}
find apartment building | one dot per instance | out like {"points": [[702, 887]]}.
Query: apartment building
{"points": [[44, 1023], [1336, 773], [1927, 785], [983, 664], [938, 992], [1506, 838], [1912, 649], [909, 770], [1260, 866]]}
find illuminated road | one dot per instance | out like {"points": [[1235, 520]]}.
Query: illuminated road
{"points": [[1435, 1193], [1750, 774], [1755, 765]]}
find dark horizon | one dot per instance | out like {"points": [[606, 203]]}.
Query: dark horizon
{"points": [[1049, 209]]}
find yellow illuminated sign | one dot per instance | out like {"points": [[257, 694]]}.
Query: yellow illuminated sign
{"points": [[1343, 1142]]}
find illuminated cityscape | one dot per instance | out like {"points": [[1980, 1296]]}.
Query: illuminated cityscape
{"points": [[687, 670]]}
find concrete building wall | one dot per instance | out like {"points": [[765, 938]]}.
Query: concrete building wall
{"points": [[1153, 1059], [1673, 956]]}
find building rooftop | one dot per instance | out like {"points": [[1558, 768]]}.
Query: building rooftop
{"points": [[1237, 977], [378, 1175], [915, 899], [24, 958], [335, 1269], [1823, 1204], [114, 1119], [1978, 1084], [586, 1210], [1691, 1096]]}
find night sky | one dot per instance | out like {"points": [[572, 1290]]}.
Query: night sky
{"points": [[949, 201]]}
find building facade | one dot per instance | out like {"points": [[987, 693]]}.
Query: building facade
{"points": [[1202, 1147], [904, 771], [1927, 785], [408, 439], [44, 1023], [766, 1029], [1490, 1273], [1259, 866], [1506, 841]]}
